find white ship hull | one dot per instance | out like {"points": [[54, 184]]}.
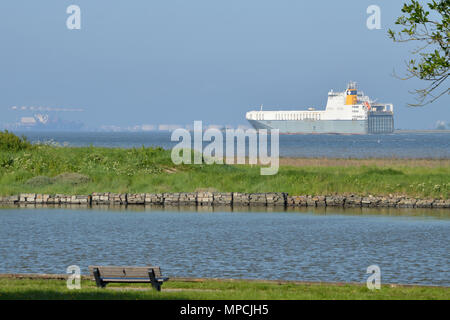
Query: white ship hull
{"points": [[313, 126]]}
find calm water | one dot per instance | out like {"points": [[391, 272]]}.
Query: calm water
{"points": [[294, 245], [398, 145]]}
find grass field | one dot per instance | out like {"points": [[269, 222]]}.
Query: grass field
{"points": [[38, 169], [213, 289]]}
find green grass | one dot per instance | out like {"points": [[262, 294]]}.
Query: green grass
{"points": [[213, 289], [151, 170]]}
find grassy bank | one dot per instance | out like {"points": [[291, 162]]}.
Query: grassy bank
{"points": [[212, 289], [49, 169]]}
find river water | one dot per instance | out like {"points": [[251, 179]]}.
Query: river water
{"points": [[398, 145], [410, 247]]}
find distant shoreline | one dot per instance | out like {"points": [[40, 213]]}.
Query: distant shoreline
{"points": [[24, 131], [421, 131]]}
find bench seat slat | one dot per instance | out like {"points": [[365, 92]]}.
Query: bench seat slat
{"points": [[128, 275], [133, 279], [118, 269], [133, 272]]}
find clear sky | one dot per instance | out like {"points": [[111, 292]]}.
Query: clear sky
{"points": [[176, 61]]}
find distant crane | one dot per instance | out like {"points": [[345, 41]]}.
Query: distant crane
{"points": [[48, 109]]}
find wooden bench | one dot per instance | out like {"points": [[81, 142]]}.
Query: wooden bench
{"points": [[104, 275]]}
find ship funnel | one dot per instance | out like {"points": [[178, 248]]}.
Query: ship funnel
{"points": [[351, 94]]}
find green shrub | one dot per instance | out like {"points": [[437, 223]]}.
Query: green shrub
{"points": [[382, 171], [39, 181], [6, 160], [10, 142], [71, 178]]}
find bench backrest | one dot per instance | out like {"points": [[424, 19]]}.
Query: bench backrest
{"points": [[125, 272]]}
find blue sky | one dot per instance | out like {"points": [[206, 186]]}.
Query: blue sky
{"points": [[172, 61]]}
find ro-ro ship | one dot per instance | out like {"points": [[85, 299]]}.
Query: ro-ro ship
{"points": [[348, 112]]}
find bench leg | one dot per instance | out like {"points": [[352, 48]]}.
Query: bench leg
{"points": [[155, 284], [98, 279]]}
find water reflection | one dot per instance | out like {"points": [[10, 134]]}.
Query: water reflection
{"points": [[406, 212]]}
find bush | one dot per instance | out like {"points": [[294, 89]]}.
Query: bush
{"points": [[10, 142], [6, 160], [71, 178], [63, 178], [39, 181]]}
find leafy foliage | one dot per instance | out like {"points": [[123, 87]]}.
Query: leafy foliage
{"points": [[431, 30], [10, 142]]}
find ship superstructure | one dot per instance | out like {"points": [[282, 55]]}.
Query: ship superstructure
{"points": [[348, 112]]}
